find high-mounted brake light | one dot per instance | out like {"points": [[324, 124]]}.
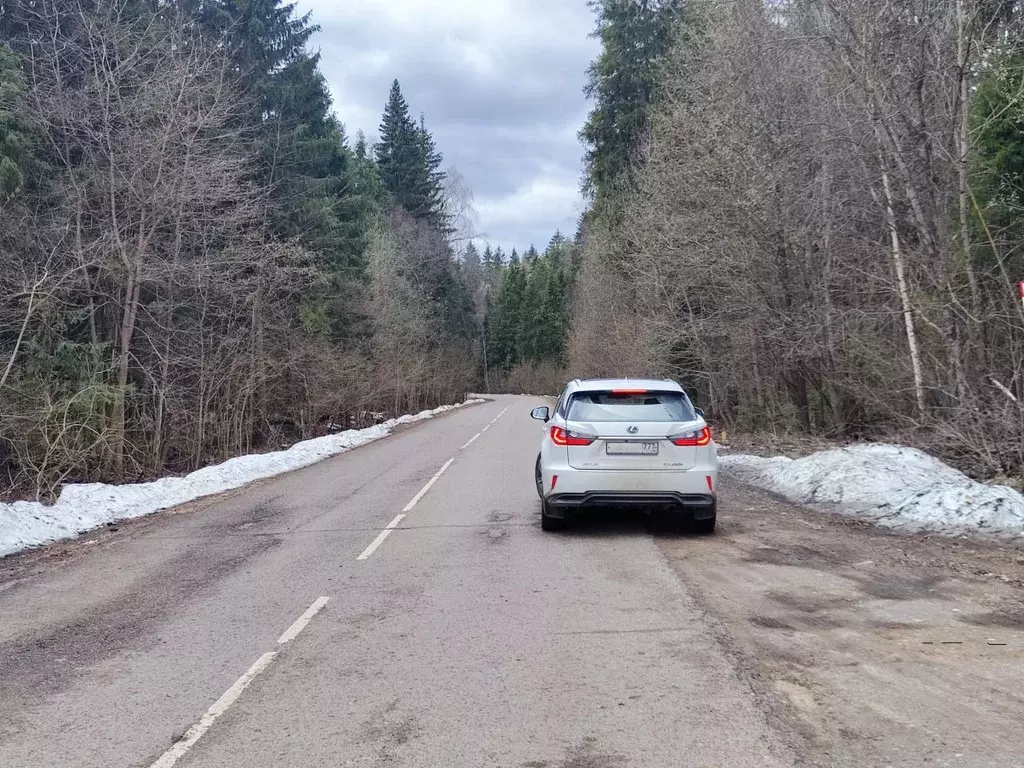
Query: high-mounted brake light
{"points": [[629, 391], [693, 439], [564, 437]]}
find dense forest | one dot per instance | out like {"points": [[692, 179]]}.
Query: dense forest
{"points": [[808, 211], [197, 260]]}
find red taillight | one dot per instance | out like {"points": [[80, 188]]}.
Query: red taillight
{"points": [[563, 437], [693, 439]]}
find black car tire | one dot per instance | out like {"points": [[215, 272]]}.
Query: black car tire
{"points": [[539, 479], [549, 523], [704, 527]]}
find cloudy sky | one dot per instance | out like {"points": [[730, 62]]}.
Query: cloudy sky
{"points": [[501, 85]]}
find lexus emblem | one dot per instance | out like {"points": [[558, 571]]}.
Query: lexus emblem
{"points": [[633, 430]]}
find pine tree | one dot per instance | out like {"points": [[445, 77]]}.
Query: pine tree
{"points": [[477, 283], [15, 144], [263, 38], [361, 150], [493, 268], [528, 321], [432, 192], [472, 269], [997, 163], [304, 156], [582, 229], [557, 250], [533, 327], [396, 152], [471, 257], [624, 82], [506, 319], [410, 163]]}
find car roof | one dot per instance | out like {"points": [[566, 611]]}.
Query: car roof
{"points": [[589, 385]]}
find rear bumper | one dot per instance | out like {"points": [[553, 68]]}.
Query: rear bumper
{"points": [[692, 506], [690, 491], [694, 501], [580, 487]]}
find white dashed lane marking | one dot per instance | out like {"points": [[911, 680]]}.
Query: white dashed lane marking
{"points": [[380, 538], [428, 486], [303, 620], [383, 535], [231, 695]]}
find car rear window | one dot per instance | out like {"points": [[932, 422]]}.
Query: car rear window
{"points": [[649, 406]]}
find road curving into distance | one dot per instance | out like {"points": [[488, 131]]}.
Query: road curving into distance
{"points": [[394, 606]]}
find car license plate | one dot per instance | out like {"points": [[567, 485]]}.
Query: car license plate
{"points": [[631, 449]]}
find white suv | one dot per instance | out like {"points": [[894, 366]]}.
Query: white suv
{"points": [[626, 442]]}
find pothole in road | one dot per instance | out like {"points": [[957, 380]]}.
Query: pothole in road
{"points": [[495, 535], [899, 587], [586, 755], [1008, 619]]}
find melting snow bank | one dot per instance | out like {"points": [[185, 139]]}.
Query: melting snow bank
{"points": [[894, 486], [81, 508]]}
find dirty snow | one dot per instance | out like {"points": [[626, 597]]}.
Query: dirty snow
{"points": [[82, 508], [894, 486]]}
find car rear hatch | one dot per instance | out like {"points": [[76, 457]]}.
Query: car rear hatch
{"points": [[633, 430]]}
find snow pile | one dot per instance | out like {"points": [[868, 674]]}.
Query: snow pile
{"points": [[81, 508], [895, 486], [515, 394]]}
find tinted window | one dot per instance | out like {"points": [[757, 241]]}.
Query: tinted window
{"points": [[652, 406]]}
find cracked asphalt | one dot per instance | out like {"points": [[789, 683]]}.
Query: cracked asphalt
{"points": [[466, 638], [245, 630]]}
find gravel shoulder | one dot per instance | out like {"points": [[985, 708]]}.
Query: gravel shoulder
{"points": [[866, 648]]}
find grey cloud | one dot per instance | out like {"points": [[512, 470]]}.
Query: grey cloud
{"points": [[500, 84]]}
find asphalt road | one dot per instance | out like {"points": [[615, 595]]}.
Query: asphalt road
{"points": [[246, 631]]}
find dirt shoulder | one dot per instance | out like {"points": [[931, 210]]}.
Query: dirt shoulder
{"points": [[867, 648]]}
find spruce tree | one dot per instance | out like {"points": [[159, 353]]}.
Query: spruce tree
{"points": [[304, 157], [397, 152], [410, 165], [624, 83], [534, 326], [15, 143], [432, 192], [504, 329], [473, 270]]}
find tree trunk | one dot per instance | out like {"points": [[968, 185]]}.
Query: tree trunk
{"points": [[963, 147], [129, 315], [901, 281]]}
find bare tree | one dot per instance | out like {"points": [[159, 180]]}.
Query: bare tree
{"points": [[788, 247]]}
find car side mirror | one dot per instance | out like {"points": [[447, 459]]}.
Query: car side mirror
{"points": [[541, 414]]}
